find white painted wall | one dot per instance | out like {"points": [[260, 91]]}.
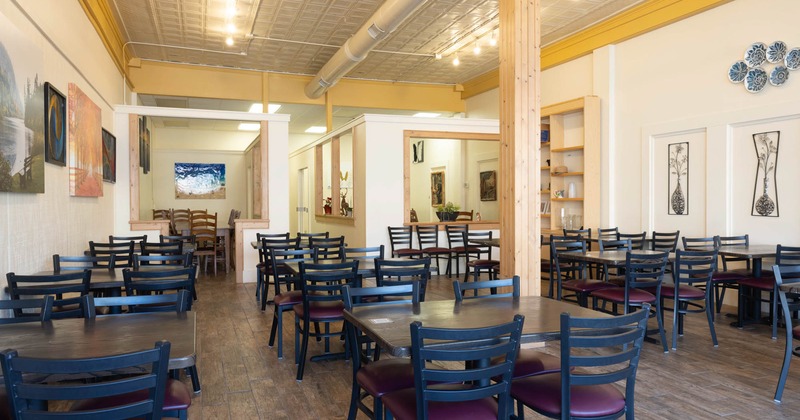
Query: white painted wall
{"points": [[35, 226]]}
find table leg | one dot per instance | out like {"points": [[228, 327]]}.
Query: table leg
{"points": [[227, 252]]}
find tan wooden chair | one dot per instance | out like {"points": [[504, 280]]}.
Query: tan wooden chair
{"points": [[204, 228], [465, 215]]}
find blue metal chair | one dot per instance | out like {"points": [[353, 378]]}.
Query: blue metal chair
{"points": [[467, 392], [691, 268], [44, 305], [460, 289], [585, 386], [371, 375], [287, 290], [398, 272], [169, 279], [71, 283]]}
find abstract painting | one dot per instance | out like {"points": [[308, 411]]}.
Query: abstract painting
{"points": [[678, 167], [55, 133], [21, 112], [144, 144], [489, 186], [437, 188], [766, 185], [85, 145], [109, 157], [418, 151], [200, 180]]}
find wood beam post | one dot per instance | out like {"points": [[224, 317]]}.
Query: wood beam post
{"points": [[520, 224]]}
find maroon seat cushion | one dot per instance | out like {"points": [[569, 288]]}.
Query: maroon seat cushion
{"points": [[533, 362], [458, 249], [289, 298], [436, 250], [5, 406], [763, 283], [729, 276], [795, 334], [403, 404], [321, 310], [407, 252], [543, 393], [176, 397], [483, 263], [617, 294], [585, 285], [688, 292], [386, 375]]}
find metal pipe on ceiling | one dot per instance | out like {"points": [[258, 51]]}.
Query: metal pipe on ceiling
{"points": [[385, 20]]}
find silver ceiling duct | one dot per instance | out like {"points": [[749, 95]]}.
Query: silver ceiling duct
{"points": [[378, 26]]}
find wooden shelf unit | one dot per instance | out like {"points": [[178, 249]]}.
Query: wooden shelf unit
{"points": [[575, 143]]}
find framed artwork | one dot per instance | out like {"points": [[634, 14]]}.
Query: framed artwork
{"points": [[437, 188], [144, 134], [678, 171], [109, 157], [766, 186], [146, 153], [200, 180], [489, 186], [85, 145], [55, 133], [418, 151]]}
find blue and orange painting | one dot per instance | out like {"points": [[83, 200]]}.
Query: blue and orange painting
{"points": [[200, 180]]}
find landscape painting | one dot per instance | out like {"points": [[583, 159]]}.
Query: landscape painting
{"points": [[85, 145], [21, 112], [200, 180]]}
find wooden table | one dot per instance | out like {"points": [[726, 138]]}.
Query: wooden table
{"points": [[753, 252], [105, 280], [105, 335], [388, 325], [611, 257], [366, 267]]}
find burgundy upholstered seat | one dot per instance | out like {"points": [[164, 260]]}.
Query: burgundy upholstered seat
{"points": [[543, 393], [688, 292], [533, 362], [177, 397], [386, 375], [585, 285], [763, 283], [321, 310], [618, 294], [403, 405], [289, 298], [795, 334]]}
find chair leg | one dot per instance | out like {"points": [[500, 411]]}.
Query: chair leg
{"points": [[660, 321], [277, 330], [192, 371], [675, 314], [355, 395], [710, 316], [304, 350], [774, 311], [787, 360]]}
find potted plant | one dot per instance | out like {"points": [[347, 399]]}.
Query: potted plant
{"points": [[328, 205], [447, 212]]}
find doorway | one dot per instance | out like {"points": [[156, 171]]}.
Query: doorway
{"points": [[303, 199]]}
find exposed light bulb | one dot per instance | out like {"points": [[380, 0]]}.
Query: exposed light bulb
{"points": [[229, 40], [493, 39], [456, 61], [477, 49], [438, 56], [230, 27]]}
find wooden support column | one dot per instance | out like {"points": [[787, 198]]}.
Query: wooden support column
{"points": [[520, 224], [328, 111]]}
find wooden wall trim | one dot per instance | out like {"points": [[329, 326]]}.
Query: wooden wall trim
{"points": [[133, 165]]}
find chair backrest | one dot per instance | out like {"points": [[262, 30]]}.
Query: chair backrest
{"points": [[583, 233], [169, 261], [180, 215], [730, 241], [122, 251], [44, 305], [146, 282], [700, 244], [460, 288], [204, 229], [644, 271], [150, 380], [608, 233], [162, 248], [307, 236], [465, 215], [575, 268], [399, 272], [322, 283], [428, 236], [138, 240], [161, 214], [364, 253], [665, 241], [787, 255], [198, 213], [278, 242], [272, 236], [235, 214], [328, 248], [284, 279], [614, 244], [605, 350], [82, 262], [637, 239], [178, 302], [76, 282], [694, 267], [468, 344], [475, 251], [185, 239], [400, 237], [787, 275], [455, 235]]}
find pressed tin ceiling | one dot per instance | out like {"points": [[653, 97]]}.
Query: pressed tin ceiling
{"points": [[299, 36]]}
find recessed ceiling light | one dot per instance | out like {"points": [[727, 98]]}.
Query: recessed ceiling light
{"points": [[477, 49], [229, 41], [231, 28], [316, 129], [259, 108], [249, 126], [426, 114], [456, 61], [493, 39]]}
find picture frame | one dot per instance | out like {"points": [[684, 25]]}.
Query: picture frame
{"points": [[418, 152], [677, 171], [437, 188], [488, 185], [200, 180], [765, 188], [55, 133], [143, 131], [109, 157]]}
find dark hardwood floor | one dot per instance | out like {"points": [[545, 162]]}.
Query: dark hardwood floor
{"points": [[242, 377]]}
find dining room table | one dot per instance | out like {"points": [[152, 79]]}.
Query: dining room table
{"points": [[105, 335], [388, 325]]}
